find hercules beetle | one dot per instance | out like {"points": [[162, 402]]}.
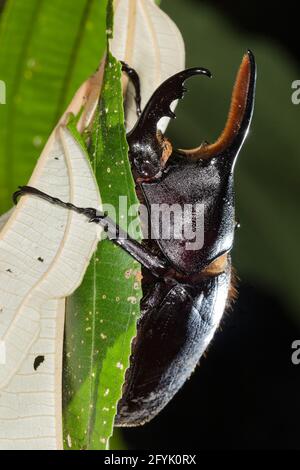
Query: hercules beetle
{"points": [[184, 292]]}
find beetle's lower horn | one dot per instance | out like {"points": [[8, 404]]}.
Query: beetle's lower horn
{"points": [[239, 117]]}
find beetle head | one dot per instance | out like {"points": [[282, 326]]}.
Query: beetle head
{"points": [[149, 149], [147, 156]]}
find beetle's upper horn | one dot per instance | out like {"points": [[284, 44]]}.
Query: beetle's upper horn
{"points": [[158, 105], [239, 118]]}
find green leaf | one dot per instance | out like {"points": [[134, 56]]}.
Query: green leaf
{"points": [[47, 49], [101, 315]]}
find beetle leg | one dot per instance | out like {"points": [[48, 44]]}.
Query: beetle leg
{"points": [[156, 265], [87, 211], [135, 79]]}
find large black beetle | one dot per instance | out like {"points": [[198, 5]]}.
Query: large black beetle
{"points": [[185, 291]]}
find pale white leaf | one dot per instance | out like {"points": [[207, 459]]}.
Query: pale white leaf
{"points": [[4, 218], [147, 40]]}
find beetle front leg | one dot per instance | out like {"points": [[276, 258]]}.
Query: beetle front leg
{"points": [[87, 211], [135, 79], [156, 265]]}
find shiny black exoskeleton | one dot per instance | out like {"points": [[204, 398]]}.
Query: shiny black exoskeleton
{"points": [[185, 291]]}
